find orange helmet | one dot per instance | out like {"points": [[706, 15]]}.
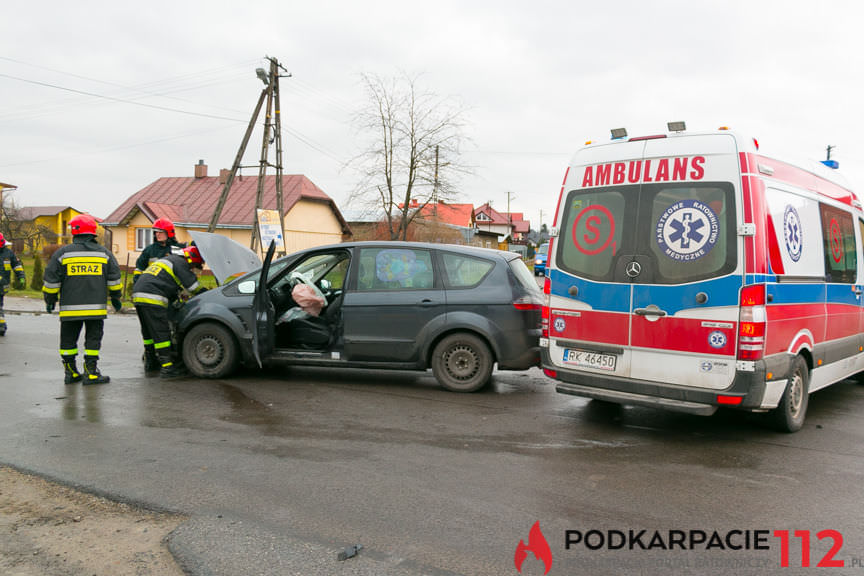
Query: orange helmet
{"points": [[82, 224], [165, 225], [2, 240], [193, 256]]}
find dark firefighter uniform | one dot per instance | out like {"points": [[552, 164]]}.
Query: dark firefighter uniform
{"points": [[157, 249], [81, 275], [9, 263], [162, 284]]}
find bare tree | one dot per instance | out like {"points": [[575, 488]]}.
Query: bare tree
{"points": [[413, 155]]}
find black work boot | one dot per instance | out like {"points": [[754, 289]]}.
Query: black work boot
{"points": [[91, 372], [70, 368], [171, 370], [151, 361]]}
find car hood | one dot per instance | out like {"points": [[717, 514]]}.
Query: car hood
{"points": [[224, 256]]}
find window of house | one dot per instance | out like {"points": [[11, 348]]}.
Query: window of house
{"points": [[143, 238]]}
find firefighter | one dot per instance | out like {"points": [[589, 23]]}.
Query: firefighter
{"points": [[159, 287], [81, 275], [8, 263], [164, 240]]}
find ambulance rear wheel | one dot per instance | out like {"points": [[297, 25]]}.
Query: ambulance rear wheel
{"points": [[789, 414]]}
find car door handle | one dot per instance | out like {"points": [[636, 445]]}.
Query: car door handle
{"points": [[650, 311], [427, 302]]}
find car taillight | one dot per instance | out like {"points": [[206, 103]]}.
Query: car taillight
{"points": [[526, 304], [751, 323]]}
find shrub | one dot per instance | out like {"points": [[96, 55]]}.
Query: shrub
{"points": [[37, 275]]}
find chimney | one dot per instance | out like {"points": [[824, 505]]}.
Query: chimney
{"points": [[223, 175], [200, 169]]}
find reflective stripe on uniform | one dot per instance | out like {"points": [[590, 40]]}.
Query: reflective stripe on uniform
{"points": [[161, 345], [168, 267], [83, 307], [77, 313], [91, 352], [83, 258], [149, 298], [69, 352]]}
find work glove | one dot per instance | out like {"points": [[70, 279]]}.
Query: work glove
{"points": [[22, 281], [50, 302], [117, 304]]}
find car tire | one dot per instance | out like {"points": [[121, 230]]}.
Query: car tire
{"points": [[462, 362], [210, 351], [789, 414]]}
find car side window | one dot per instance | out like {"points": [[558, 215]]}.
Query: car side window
{"points": [[395, 269], [465, 271]]}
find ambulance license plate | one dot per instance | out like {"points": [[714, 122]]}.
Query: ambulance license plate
{"points": [[588, 359]]}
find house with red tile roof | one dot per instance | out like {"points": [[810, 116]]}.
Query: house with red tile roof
{"points": [[311, 217], [521, 227], [512, 224]]}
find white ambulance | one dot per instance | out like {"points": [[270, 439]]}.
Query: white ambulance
{"points": [[688, 271]]}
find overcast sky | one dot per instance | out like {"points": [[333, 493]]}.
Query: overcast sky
{"points": [[100, 98]]}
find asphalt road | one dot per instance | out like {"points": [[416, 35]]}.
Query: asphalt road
{"points": [[282, 469]]}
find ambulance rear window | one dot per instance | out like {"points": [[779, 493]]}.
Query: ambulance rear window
{"points": [[675, 232]]}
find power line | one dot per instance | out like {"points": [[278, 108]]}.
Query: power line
{"points": [[112, 148], [122, 100], [297, 135]]}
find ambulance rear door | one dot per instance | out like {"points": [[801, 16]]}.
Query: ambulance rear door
{"points": [[647, 268]]}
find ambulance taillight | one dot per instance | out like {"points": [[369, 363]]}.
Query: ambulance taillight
{"points": [[751, 323]]}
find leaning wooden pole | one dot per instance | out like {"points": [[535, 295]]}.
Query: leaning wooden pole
{"points": [[236, 166]]}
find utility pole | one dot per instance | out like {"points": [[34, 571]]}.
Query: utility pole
{"points": [[435, 185], [271, 93], [509, 216], [236, 166]]}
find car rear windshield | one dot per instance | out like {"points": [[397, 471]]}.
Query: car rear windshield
{"points": [[676, 232]]}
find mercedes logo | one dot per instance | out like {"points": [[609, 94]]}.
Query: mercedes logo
{"points": [[633, 269]]}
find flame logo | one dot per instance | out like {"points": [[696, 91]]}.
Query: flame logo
{"points": [[536, 544]]}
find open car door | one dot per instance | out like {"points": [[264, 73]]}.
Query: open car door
{"points": [[263, 334]]}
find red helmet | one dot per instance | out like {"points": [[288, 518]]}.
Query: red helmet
{"points": [[193, 256], [165, 225], [2, 240], [82, 224]]}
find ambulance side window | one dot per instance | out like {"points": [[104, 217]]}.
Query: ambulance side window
{"points": [[838, 236]]}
